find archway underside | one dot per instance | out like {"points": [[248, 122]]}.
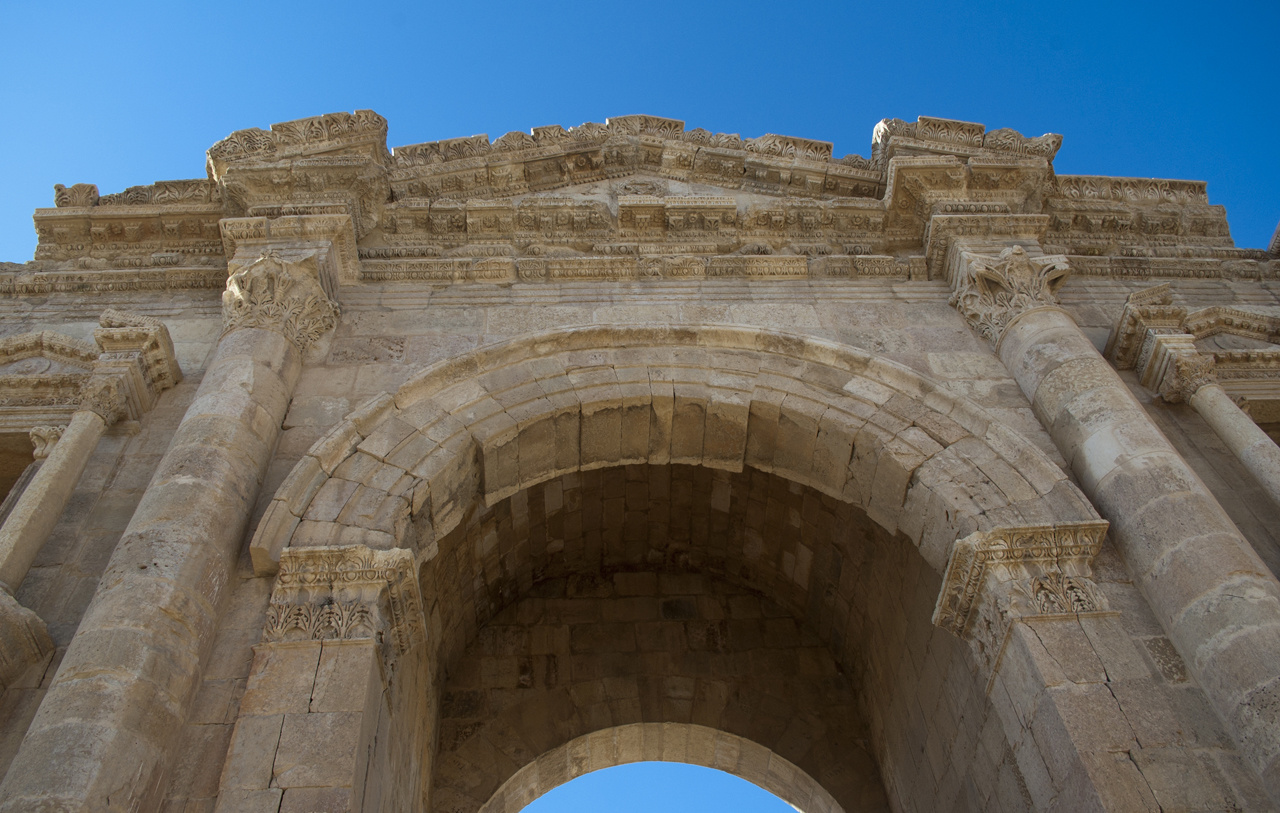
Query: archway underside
{"points": [[680, 595]]}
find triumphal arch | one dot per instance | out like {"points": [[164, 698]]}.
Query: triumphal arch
{"points": [[349, 478]]}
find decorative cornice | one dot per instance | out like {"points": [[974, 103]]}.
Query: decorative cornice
{"points": [[992, 291], [340, 593], [280, 294]]}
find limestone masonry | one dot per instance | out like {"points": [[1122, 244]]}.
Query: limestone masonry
{"points": [[428, 479]]}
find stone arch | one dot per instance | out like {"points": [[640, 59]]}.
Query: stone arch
{"points": [[844, 433], [662, 742], [404, 469]]}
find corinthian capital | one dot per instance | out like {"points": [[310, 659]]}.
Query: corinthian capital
{"points": [[104, 395], [1185, 375], [280, 293], [992, 291]]}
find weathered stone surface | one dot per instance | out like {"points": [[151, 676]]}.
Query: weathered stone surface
{"points": [[525, 457]]}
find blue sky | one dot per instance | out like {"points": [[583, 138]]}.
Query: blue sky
{"points": [[129, 93], [645, 787]]}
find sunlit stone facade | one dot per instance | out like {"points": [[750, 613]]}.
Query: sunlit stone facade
{"points": [[428, 479]]}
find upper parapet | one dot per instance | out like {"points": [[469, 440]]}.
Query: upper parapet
{"points": [[930, 136], [363, 132]]}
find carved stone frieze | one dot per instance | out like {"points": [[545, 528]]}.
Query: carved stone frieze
{"points": [[351, 592], [280, 293], [992, 291], [995, 577], [43, 438]]}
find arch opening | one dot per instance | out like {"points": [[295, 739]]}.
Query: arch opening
{"points": [[741, 775], [680, 605]]}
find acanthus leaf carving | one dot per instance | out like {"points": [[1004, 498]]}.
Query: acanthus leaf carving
{"points": [[995, 577], [281, 295], [996, 290], [345, 593], [104, 395], [1185, 375]]}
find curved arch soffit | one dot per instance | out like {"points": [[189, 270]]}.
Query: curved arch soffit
{"points": [[485, 425], [662, 742]]}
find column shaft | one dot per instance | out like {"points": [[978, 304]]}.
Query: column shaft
{"points": [[120, 698], [1246, 440], [41, 503], [1208, 587]]}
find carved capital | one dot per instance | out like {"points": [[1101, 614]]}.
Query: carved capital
{"points": [[353, 592], [44, 438], [1185, 374], [996, 577], [995, 290], [104, 395], [284, 295]]}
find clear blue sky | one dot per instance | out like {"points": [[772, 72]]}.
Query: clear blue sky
{"points": [[126, 93], [659, 787]]}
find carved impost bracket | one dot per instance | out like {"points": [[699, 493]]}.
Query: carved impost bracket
{"points": [[43, 438], [282, 291], [996, 577], [990, 292], [347, 593]]}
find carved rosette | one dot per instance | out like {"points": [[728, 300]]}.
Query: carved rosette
{"points": [[280, 295], [44, 438], [1185, 375], [998, 289], [104, 395], [996, 577], [347, 593]]}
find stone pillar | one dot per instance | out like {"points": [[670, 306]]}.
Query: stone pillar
{"points": [[42, 502], [1180, 373], [319, 718], [1215, 598], [121, 695]]}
